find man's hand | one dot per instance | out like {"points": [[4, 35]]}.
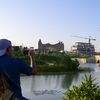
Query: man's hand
{"points": [[32, 61]]}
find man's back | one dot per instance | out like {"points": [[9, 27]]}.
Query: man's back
{"points": [[13, 67]]}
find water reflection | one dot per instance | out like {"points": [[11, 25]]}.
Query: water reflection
{"points": [[48, 84], [52, 82], [68, 79], [52, 87], [42, 92]]}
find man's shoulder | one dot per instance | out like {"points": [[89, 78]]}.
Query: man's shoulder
{"points": [[10, 58], [16, 59]]}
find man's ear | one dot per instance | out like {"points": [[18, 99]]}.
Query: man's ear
{"points": [[7, 50]]}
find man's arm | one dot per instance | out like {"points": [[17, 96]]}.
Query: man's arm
{"points": [[32, 62]]}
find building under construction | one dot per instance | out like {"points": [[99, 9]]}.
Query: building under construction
{"points": [[82, 48]]}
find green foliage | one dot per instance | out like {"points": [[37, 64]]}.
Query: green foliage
{"points": [[87, 90], [52, 62], [48, 68], [16, 48]]}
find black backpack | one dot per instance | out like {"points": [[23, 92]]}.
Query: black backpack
{"points": [[5, 92]]}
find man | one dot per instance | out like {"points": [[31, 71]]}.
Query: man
{"points": [[14, 66]]}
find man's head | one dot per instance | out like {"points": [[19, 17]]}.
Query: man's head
{"points": [[5, 47]]}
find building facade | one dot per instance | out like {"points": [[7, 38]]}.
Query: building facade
{"points": [[44, 48], [82, 48]]}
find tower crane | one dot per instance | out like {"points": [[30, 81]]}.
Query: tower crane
{"points": [[89, 39]]}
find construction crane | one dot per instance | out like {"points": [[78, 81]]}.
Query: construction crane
{"points": [[89, 41]]}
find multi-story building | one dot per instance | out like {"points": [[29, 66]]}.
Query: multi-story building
{"points": [[83, 48], [44, 48]]}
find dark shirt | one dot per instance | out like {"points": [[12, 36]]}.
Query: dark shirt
{"points": [[13, 67]]}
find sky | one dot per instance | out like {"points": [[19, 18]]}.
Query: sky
{"points": [[27, 21]]}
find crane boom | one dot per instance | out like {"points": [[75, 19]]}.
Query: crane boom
{"points": [[86, 38]]}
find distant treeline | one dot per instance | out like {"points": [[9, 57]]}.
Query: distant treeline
{"points": [[52, 62]]}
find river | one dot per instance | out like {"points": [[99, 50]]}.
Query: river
{"points": [[52, 87]]}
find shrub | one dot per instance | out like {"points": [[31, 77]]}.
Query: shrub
{"points": [[87, 90], [60, 62]]}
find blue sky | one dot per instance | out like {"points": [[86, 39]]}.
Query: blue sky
{"points": [[27, 21]]}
